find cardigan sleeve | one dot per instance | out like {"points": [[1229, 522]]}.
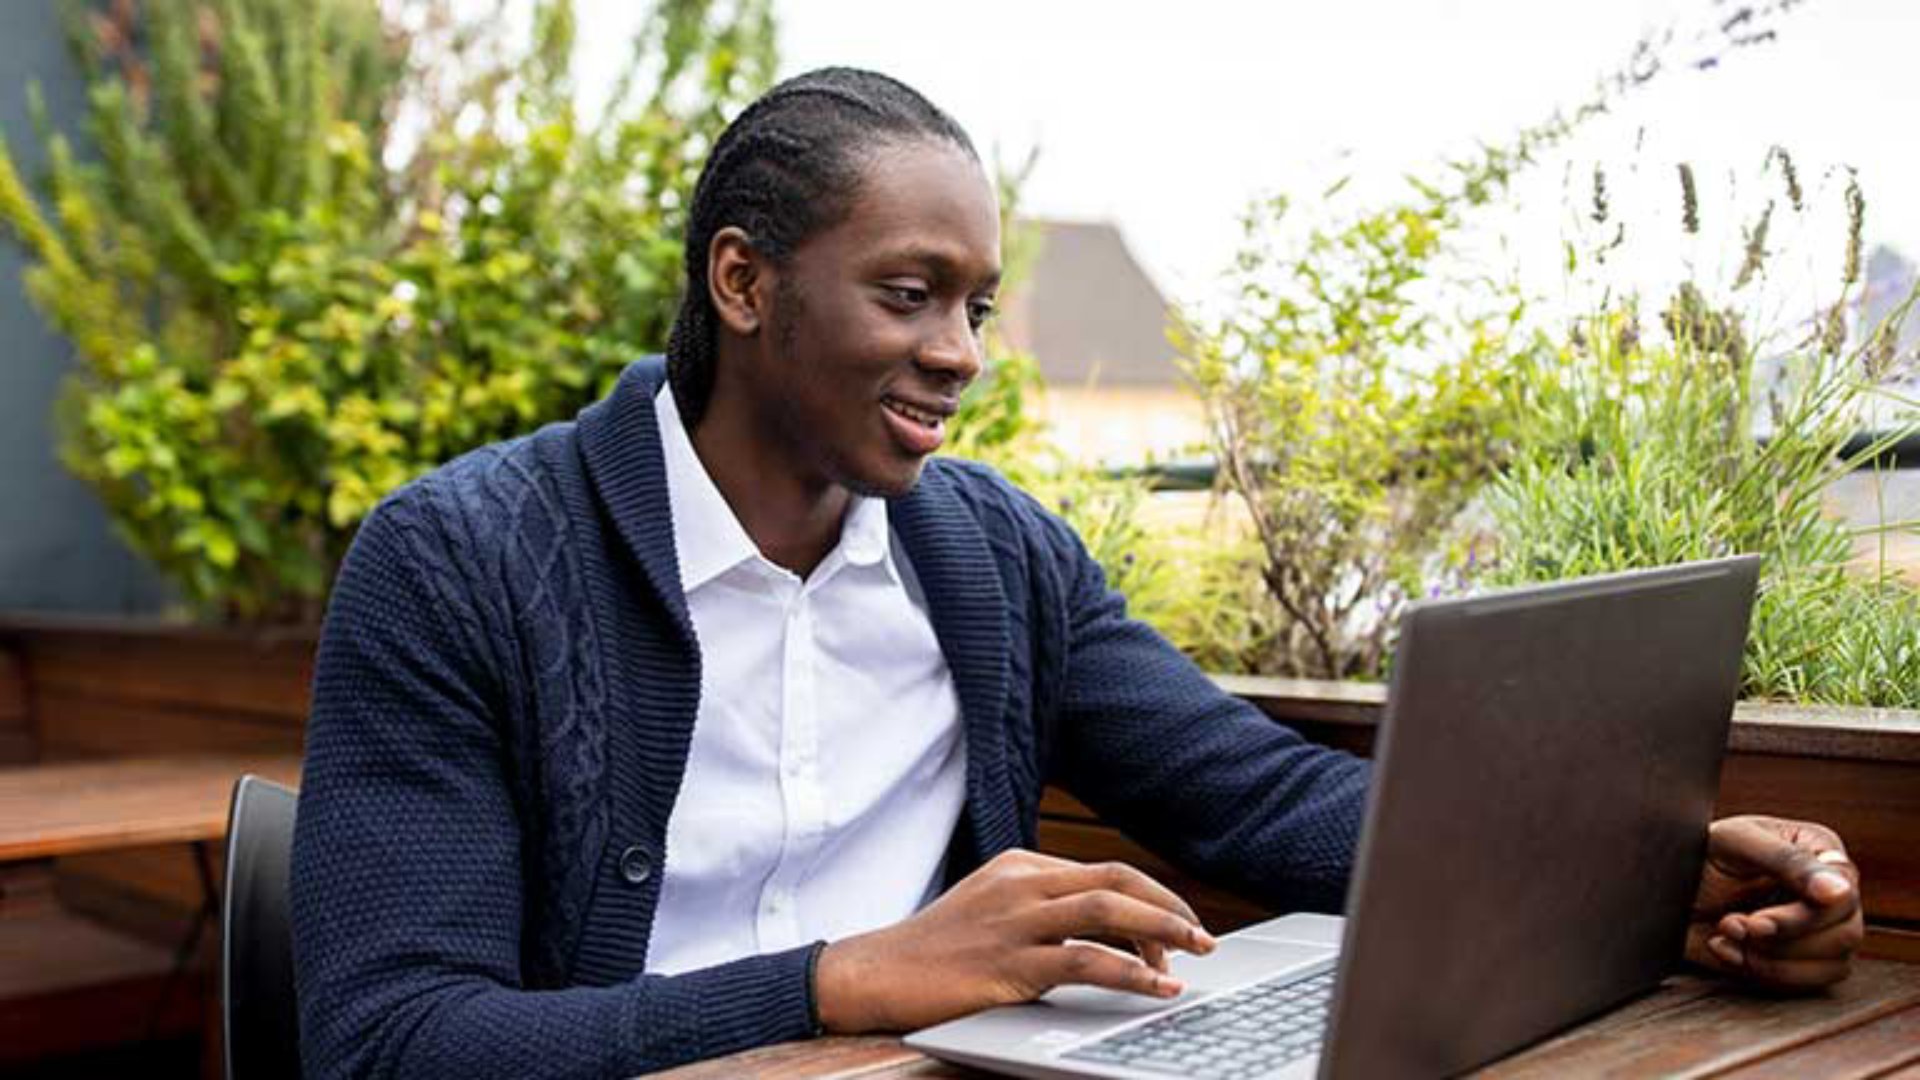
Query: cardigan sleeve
{"points": [[407, 877], [1200, 777]]}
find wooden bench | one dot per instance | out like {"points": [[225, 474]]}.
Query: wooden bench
{"points": [[69, 982]]}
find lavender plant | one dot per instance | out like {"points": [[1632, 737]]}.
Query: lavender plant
{"points": [[1640, 446]]}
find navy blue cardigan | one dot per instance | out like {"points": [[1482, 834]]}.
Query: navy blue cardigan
{"points": [[503, 699]]}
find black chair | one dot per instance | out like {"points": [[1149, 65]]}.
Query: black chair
{"points": [[262, 1026]]}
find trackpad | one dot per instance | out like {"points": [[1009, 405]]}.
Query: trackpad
{"points": [[1237, 961], [1098, 999]]}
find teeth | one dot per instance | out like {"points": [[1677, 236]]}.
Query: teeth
{"points": [[920, 416]]}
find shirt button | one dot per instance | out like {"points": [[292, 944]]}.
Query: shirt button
{"points": [[635, 866]]}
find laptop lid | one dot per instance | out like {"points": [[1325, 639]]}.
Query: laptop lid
{"points": [[1538, 815]]}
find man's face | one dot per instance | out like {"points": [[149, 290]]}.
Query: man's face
{"points": [[875, 322]]}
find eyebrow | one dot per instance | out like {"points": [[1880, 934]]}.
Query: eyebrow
{"points": [[942, 265]]}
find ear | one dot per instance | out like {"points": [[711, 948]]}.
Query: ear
{"points": [[737, 281]]}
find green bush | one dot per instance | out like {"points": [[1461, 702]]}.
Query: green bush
{"points": [[285, 302], [1353, 392], [1351, 426], [1361, 392]]}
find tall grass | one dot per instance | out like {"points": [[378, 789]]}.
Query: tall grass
{"points": [[1632, 454]]}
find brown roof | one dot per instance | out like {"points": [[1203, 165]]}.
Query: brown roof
{"points": [[1088, 312]]}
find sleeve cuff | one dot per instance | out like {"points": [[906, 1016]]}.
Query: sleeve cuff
{"points": [[813, 988], [757, 1000]]}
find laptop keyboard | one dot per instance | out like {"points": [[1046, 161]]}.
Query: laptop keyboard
{"points": [[1247, 1033]]}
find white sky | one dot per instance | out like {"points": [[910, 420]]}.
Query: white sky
{"points": [[1168, 118]]}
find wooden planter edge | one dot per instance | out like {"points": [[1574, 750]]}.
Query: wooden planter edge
{"points": [[1839, 732]]}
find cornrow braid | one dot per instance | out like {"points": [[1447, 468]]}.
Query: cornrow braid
{"points": [[786, 168]]}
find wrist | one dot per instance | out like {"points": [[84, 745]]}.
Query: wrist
{"points": [[839, 1003]]}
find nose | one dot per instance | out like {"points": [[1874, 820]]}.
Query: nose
{"points": [[952, 350]]}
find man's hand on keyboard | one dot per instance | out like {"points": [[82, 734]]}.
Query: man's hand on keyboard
{"points": [[1012, 930]]}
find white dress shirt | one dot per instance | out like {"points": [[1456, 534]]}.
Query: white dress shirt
{"points": [[828, 764]]}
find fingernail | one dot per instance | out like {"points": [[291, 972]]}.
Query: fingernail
{"points": [[1203, 942], [1727, 951], [1734, 929], [1827, 885], [1168, 987]]}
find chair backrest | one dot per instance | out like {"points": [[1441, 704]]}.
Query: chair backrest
{"points": [[257, 1003]]}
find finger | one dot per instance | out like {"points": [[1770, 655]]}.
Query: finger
{"points": [[1798, 918], [1832, 943], [1087, 964], [1103, 913], [1784, 922], [1116, 877], [1799, 866], [1028, 860], [1782, 973], [1154, 953]]}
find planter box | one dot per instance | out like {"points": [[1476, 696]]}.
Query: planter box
{"points": [[90, 688], [109, 688]]}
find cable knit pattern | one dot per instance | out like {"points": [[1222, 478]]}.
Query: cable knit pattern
{"points": [[503, 701]]}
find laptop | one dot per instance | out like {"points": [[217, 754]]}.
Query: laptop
{"points": [[1535, 828]]}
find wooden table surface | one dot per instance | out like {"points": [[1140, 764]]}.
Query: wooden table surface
{"points": [[1868, 1026], [50, 809]]}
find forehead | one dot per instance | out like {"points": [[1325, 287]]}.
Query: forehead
{"points": [[923, 197]]}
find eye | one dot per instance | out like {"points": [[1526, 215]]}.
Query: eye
{"points": [[907, 294], [980, 312]]}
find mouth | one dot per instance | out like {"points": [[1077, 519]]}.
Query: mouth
{"points": [[919, 427]]}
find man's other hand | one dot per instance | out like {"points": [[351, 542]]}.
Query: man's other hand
{"points": [[1012, 930], [1779, 904]]}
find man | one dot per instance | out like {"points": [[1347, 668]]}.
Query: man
{"points": [[720, 716]]}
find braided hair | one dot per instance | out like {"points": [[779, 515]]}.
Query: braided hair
{"points": [[786, 168]]}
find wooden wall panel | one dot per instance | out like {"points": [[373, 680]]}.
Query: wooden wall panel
{"points": [[230, 673], [1873, 805], [150, 893], [1892, 944], [17, 744], [106, 726], [1219, 909]]}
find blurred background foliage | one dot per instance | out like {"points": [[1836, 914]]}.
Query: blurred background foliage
{"points": [[1351, 420], [1360, 392], [317, 251]]}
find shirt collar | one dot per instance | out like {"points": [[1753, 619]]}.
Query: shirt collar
{"points": [[706, 536], [710, 540]]}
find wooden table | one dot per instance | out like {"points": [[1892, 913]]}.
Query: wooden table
{"points": [[57, 808], [60, 808], [1868, 1026]]}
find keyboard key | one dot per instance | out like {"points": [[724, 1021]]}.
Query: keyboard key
{"points": [[1247, 1033]]}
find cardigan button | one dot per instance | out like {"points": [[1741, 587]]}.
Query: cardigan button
{"points": [[635, 866]]}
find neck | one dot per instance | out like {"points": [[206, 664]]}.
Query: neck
{"points": [[792, 518]]}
